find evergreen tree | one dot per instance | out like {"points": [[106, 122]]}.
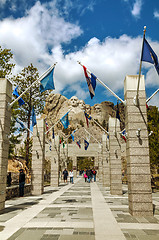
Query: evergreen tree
{"points": [[32, 97], [15, 132], [5, 62], [153, 125]]}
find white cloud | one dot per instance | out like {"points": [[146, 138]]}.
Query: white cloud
{"points": [[156, 14], [2, 2], [110, 60], [137, 8]]}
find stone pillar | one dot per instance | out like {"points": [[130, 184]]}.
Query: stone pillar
{"points": [[38, 157], [74, 158], [96, 163], [5, 118], [55, 160], [115, 157], [137, 149], [106, 171], [100, 170]]}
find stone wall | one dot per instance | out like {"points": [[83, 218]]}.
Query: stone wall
{"points": [[13, 191]]}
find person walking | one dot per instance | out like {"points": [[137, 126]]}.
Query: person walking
{"points": [[94, 174], [71, 176], [85, 175], [88, 173], [21, 182], [9, 179], [65, 175]]}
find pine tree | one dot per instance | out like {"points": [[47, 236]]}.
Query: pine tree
{"points": [[32, 97], [5, 62]]}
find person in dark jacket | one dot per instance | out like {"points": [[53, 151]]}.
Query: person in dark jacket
{"points": [[21, 182], [9, 179], [65, 175]]}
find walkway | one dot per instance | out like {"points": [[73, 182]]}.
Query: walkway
{"points": [[79, 211]]}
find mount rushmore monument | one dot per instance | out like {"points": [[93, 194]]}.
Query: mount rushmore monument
{"points": [[57, 105]]}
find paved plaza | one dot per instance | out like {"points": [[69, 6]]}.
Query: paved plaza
{"points": [[79, 211]]}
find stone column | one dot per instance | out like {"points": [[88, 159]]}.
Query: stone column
{"points": [[115, 157], [74, 158], [100, 170], [96, 163], [5, 118], [137, 149], [38, 157], [55, 160], [106, 171]]}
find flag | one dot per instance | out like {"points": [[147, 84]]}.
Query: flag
{"points": [[87, 117], [64, 120], [117, 111], [91, 82], [50, 147], [53, 134], [16, 94], [63, 145], [47, 83], [21, 124], [33, 118], [148, 55], [47, 126], [72, 137], [86, 144], [79, 143], [123, 135]]}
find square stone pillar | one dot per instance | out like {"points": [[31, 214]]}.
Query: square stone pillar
{"points": [[5, 118], [115, 157], [74, 158], [106, 170], [137, 149], [38, 156], [100, 164], [55, 161]]}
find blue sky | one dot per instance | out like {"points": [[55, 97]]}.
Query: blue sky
{"points": [[105, 35]]}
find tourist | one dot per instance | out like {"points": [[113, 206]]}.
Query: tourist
{"points": [[9, 179], [85, 175], [94, 174], [65, 175], [21, 182], [71, 176], [89, 174]]}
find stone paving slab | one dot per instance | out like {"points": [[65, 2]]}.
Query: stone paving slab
{"points": [[80, 211]]}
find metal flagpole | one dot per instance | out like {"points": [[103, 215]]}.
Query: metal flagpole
{"points": [[25, 127], [39, 79], [56, 123], [100, 126], [136, 98], [105, 86], [92, 136], [152, 95]]}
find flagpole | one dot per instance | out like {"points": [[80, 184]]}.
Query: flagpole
{"points": [[136, 99], [152, 95], [56, 122], [42, 76], [25, 127], [105, 86], [92, 136], [99, 126]]}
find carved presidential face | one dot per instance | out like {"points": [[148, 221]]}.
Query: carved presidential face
{"points": [[82, 104], [74, 101], [88, 108], [97, 109]]}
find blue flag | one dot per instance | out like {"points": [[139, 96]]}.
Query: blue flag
{"points": [[16, 94], [53, 134], [79, 143], [148, 55], [33, 118], [64, 120], [47, 82], [73, 138], [21, 124], [91, 82], [86, 144]]}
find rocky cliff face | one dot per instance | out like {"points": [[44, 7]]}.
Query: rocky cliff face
{"points": [[57, 105]]}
